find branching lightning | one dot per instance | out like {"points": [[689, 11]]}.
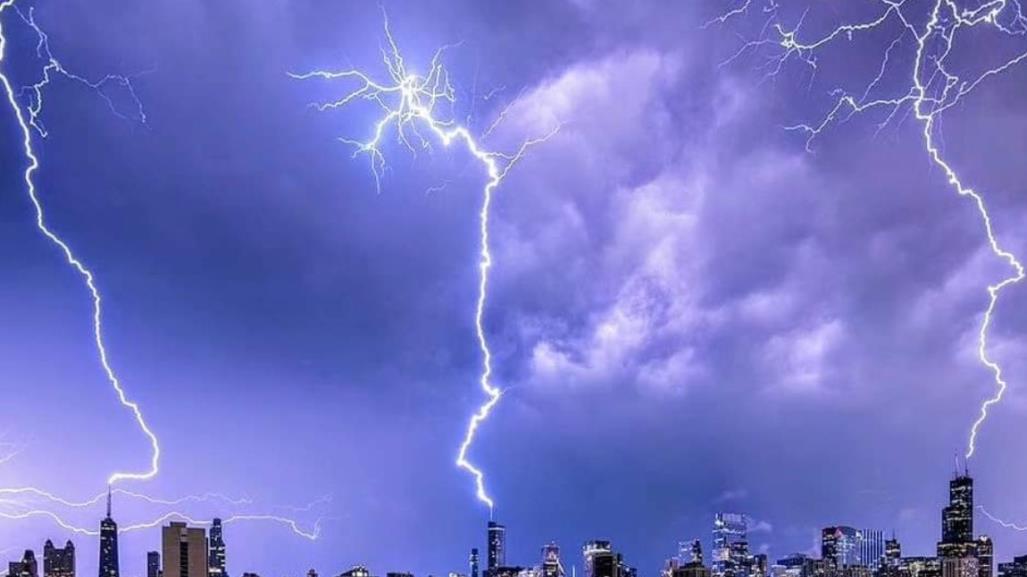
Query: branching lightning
{"points": [[29, 117], [24, 502], [933, 87], [409, 103]]}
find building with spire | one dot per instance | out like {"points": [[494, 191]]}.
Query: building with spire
{"points": [[108, 543]]}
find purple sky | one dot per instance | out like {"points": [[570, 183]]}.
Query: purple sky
{"points": [[690, 312]]}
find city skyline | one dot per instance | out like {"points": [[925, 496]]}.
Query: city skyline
{"points": [[187, 551], [339, 277]]}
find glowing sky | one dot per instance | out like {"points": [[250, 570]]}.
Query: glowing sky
{"points": [[690, 311]]}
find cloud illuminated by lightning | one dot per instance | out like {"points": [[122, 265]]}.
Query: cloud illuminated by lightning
{"points": [[409, 104], [932, 88], [27, 502]]}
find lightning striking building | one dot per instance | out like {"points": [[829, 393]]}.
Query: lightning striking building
{"points": [[109, 543], [496, 548]]}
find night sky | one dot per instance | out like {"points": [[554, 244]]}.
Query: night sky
{"points": [[689, 311]]}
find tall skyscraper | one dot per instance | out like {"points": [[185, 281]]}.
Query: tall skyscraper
{"points": [[153, 564], [58, 562], [497, 547], [217, 550], [551, 566], [957, 520], [27, 567], [728, 528], [475, 563], [184, 550], [108, 543]]}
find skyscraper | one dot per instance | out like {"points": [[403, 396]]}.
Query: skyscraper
{"points": [[58, 562], [728, 528], [497, 547], [474, 562], [184, 550], [153, 564], [957, 522], [217, 550], [108, 543]]}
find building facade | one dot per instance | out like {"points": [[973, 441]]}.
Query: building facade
{"points": [[184, 550]]}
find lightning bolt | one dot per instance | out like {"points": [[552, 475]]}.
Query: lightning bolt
{"points": [[13, 500], [932, 89], [409, 103], [28, 120], [1006, 524]]}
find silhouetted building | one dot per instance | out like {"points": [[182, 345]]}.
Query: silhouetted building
{"points": [[497, 547], [108, 543], [153, 564], [27, 567], [474, 562], [216, 556], [184, 550], [58, 562]]}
